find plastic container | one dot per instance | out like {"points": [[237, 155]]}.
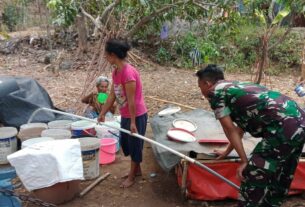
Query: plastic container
{"points": [[9, 201], [8, 143], [107, 153], [300, 91], [60, 124], [90, 155], [31, 130], [83, 128], [59, 193], [32, 141], [56, 133], [103, 131]]}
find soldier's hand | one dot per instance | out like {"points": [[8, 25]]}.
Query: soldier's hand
{"points": [[221, 154], [240, 170]]}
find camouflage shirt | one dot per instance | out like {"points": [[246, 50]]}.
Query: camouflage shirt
{"points": [[255, 109]]}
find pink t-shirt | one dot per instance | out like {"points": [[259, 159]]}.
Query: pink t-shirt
{"points": [[120, 78]]}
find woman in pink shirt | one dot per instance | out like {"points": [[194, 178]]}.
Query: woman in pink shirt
{"points": [[126, 90]]}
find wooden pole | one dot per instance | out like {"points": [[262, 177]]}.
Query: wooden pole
{"points": [[172, 102], [92, 185], [184, 176]]}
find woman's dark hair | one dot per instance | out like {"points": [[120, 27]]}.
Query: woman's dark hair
{"points": [[212, 73], [117, 47]]}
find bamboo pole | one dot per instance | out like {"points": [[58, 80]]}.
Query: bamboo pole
{"points": [[92, 185]]}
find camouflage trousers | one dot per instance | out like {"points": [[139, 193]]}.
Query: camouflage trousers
{"points": [[271, 168]]}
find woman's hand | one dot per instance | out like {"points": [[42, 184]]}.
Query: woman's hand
{"points": [[101, 118], [133, 128], [240, 170]]}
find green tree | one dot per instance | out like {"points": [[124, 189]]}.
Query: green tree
{"points": [[271, 21]]}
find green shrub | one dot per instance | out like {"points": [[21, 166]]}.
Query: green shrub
{"points": [[184, 46], [237, 51], [10, 16], [240, 52], [163, 56], [288, 53]]}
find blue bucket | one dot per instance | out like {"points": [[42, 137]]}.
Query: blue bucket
{"points": [[6, 175]]}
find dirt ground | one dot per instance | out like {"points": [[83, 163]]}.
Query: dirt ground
{"points": [[164, 83]]}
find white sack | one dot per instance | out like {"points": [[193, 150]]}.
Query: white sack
{"points": [[47, 163]]}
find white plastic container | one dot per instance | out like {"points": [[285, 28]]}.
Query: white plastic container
{"points": [[60, 124], [56, 133], [32, 141], [31, 130], [8, 143], [103, 131], [90, 155]]}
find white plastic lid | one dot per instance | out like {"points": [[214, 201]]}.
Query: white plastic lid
{"points": [[32, 141], [89, 143], [56, 133], [8, 132], [33, 125], [60, 124], [110, 123], [82, 124]]}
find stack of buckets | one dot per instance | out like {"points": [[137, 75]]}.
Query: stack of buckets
{"points": [[8, 145], [95, 151], [109, 141]]}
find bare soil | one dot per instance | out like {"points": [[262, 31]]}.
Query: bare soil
{"points": [[165, 83]]}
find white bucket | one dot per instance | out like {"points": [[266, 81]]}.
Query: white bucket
{"points": [[8, 143], [90, 155], [56, 133], [103, 131], [31, 130], [83, 128], [32, 141], [60, 124]]}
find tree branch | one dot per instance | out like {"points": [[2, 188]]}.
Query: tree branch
{"points": [[108, 8], [204, 3], [281, 39], [148, 18], [199, 5], [96, 24]]}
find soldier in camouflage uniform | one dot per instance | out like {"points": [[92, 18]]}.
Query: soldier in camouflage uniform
{"points": [[278, 120]]}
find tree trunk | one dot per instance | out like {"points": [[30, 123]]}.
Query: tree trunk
{"points": [[264, 56], [82, 33], [303, 64], [39, 11]]}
